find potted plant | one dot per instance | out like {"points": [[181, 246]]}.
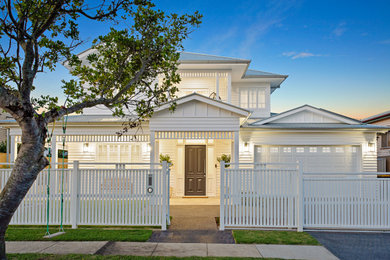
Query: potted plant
{"points": [[167, 158], [226, 158]]}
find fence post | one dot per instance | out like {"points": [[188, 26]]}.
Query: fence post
{"points": [[169, 195], [221, 197], [74, 200], [300, 212], [164, 198]]}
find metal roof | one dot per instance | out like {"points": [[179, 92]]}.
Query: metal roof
{"points": [[377, 117], [316, 126], [191, 56], [258, 73]]}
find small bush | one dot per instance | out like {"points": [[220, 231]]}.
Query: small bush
{"points": [[3, 147], [226, 158], [166, 157]]}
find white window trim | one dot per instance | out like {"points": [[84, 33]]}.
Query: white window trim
{"points": [[248, 89]]}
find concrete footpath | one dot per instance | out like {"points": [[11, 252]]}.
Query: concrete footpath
{"points": [[170, 249]]}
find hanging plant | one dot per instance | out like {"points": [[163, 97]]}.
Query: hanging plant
{"points": [[226, 158], [167, 158]]}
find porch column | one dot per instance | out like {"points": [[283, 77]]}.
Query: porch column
{"points": [[217, 85], [13, 147], [236, 148], [152, 148], [229, 88]]}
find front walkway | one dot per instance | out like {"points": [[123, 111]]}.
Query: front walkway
{"points": [[193, 224], [170, 249]]}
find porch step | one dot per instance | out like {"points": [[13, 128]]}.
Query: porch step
{"points": [[195, 197]]}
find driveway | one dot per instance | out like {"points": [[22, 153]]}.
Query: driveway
{"points": [[356, 246]]}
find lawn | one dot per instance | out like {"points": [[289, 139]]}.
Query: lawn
{"points": [[273, 237], [98, 257], [79, 234]]}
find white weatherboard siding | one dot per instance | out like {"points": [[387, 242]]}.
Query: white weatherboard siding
{"points": [[195, 116], [307, 117], [359, 139]]}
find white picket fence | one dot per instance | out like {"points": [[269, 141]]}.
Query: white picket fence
{"points": [[282, 196], [128, 195]]}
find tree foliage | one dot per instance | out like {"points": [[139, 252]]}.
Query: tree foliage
{"points": [[119, 71]]}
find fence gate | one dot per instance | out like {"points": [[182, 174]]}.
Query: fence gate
{"points": [[260, 195]]}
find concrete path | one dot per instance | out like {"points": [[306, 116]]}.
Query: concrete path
{"points": [[171, 249], [194, 217], [193, 236], [356, 245], [193, 224]]}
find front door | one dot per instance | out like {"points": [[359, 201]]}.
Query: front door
{"points": [[195, 174]]}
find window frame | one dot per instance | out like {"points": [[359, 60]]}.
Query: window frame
{"points": [[250, 93], [385, 140]]}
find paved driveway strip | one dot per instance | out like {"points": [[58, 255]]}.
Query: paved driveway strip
{"points": [[171, 249], [355, 245]]}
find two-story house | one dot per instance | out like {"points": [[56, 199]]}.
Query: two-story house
{"points": [[223, 107], [382, 119]]}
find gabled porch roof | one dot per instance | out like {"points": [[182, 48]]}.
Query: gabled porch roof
{"points": [[214, 102], [196, 112]]}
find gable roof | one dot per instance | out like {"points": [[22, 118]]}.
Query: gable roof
{"points": [[217, 103], [377, 117], [319, 111]]}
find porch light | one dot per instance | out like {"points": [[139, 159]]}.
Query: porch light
{"points": [[246, 147], [148, 147], [85, 147], [371, 147]]}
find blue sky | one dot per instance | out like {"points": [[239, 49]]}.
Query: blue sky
{"points": [[336, 53]]}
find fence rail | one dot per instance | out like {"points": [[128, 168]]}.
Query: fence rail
{"points": [[273, 196], [126, 195]]}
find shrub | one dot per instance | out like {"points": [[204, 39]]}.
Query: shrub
{"points": [[166, 157], [3, 147], [226, 158]]}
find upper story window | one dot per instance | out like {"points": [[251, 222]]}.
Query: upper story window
{"points": [[252, 98], [385, 143]]}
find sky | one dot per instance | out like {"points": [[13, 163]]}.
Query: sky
{"points": [[336, 53]]}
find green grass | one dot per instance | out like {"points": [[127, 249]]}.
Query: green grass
{"points": [[273, 237], [98, 257], [79, 234]]}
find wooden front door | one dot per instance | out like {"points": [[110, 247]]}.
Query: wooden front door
{"points": [[195, 174]]}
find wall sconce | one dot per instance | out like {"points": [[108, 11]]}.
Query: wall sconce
{"points": [[148, 147], [85, 147], [246, 147], [371, 147]]}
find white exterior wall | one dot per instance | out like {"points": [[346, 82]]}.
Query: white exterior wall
{"points": [[195, 116], [295, 137], [260, 113]]}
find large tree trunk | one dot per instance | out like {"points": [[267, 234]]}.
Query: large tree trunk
{"points": [[30, 161]]}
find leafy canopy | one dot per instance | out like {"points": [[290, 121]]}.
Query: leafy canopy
{"points": [[119, 71]]}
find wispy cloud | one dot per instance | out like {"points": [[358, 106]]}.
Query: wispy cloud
{"points": [[340, 29], [300, 55], [266, 19], [385, 41]]}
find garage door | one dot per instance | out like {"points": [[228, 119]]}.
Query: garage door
{"points": [[314, 158]]}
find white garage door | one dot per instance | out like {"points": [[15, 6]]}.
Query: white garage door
{"points": [[314, 158]]}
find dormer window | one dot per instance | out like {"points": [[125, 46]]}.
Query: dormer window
{"points": [[252, 98]]}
